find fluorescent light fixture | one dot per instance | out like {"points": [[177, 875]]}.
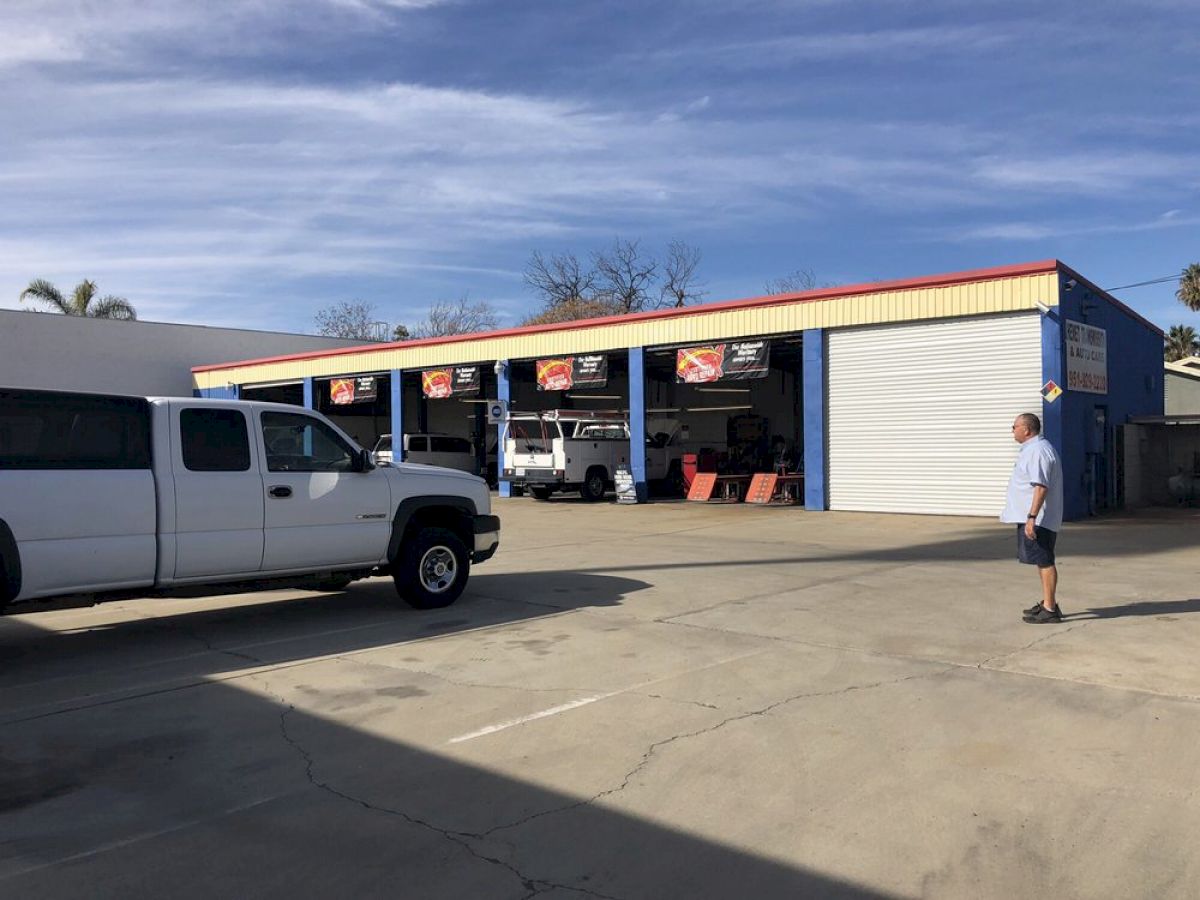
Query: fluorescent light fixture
{"points": [[594, 396], [665, 409], [712, 390], [715, 408]]}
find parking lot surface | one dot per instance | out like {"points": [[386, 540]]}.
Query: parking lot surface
{"points": [[672, 700]]}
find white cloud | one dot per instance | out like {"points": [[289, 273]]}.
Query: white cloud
{"points": [[1040, 231], [117, 31]]}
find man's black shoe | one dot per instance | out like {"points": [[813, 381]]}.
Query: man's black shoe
{"points": [[1032, 611], [1043, 615]]}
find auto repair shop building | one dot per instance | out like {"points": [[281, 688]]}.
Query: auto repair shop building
{"points": [[897, 396]]}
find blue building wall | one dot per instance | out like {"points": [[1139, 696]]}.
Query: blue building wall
{"points": [[232, 392], [1135, 388]]}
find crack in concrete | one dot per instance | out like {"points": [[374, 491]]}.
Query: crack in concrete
{"points": [[653, 749], [1056, 632], [208, 645], [679, 700], [532, 884]]}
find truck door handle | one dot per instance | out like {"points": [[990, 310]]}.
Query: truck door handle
{"points": [[279, 491]]}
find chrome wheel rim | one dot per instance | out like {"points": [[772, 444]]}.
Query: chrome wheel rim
{"points": [[596, 485], [438, 569]]}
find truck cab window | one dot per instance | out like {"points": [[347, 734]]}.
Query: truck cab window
{"points": [[214, 440], [299, 443]]}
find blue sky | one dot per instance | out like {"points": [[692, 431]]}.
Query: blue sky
{"points": [[246, 163]]}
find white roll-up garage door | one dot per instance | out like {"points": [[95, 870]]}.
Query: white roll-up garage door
{"points": [[920, 416]]}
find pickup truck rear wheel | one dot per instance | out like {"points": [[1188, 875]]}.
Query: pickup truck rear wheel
{"points": [[594, 485], [541, 493], [432, 569]]}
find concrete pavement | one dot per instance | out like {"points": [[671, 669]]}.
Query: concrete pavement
{"points": [[659, 701]]}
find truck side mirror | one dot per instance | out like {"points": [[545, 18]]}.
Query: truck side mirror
{"points": [[362, 462]]}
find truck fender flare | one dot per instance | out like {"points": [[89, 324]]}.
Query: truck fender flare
{"points": [[410, 506], [10, 565]]}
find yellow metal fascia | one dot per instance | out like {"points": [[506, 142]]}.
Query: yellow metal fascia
{"points": [[950, 301]]}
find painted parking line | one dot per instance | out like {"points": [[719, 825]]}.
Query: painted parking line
{"points": [[585, 701]]}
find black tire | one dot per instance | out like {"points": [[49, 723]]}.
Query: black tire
{"points": [[594, 486], [432, 568], [541, 493]]}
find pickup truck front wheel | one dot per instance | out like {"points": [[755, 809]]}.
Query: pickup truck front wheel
{"points": [[432, 569]]}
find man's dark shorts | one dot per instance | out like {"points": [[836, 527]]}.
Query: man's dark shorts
{"points": [[1038, 552]]}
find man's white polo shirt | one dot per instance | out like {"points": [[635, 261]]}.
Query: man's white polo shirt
{"points": [[1037, 463]]}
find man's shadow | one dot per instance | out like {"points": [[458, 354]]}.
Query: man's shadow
{"points": [[1145, 608]]}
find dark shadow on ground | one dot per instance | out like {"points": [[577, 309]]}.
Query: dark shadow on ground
{"points": [[1145, 608], [222, 792], [230, 633]]}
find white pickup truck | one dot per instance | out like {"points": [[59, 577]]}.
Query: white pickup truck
{"points": [[563, 450], [110, 496]]}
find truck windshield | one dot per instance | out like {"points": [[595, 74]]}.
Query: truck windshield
{"points": [[533, 435]]}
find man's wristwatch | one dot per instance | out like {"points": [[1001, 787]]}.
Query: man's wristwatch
{"points": [[1031, 516]]}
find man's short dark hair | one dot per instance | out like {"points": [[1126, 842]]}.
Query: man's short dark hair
{"points": [[1030, 421]]}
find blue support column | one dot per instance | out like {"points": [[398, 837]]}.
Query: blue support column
{"points": [[815, 497], [310, 402], [637, 420], [504, 394], [397, 382]]}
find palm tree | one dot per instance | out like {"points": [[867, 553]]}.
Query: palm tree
{"points": [[1189, 287], [1181, 343], [82, 302]]}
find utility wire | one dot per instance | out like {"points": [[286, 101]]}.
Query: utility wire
{"points": [[1144, 283]]}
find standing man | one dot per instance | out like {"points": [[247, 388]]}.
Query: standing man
{"points": [[1035, 505]]}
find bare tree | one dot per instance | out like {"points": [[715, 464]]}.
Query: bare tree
{"points": [[559, 279], [352, 319], [679, 286], [572, 310], [793, 282], [461, 316], [624, 276]]}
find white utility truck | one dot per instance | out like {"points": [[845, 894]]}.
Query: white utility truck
{"points": [[111, 496], [567, 450]]}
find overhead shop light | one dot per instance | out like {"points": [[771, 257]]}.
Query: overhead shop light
{"points": [[697, 409], [594, 396], [719, 390], [666, 409]]}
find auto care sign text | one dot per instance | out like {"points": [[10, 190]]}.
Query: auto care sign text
{"points": [[1087, 358]]}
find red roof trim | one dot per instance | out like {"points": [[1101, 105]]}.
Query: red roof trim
{"points": [[927, 281]]}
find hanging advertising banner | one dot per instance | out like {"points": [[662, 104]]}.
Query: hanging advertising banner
{"points": [[344, 391], [455, 381], [1087, 357], [569, 372], [722, 362]]}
